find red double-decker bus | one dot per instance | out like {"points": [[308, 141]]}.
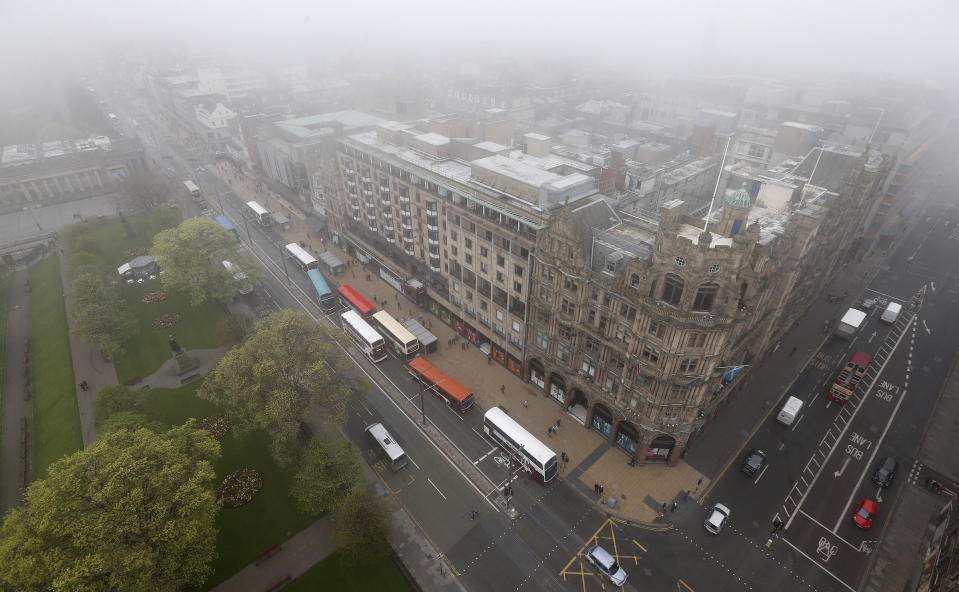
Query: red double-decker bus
{"points": [[351, 298], [456, 395]]}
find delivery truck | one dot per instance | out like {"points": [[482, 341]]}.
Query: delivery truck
{"points": [[790, 411], [850, 323]]}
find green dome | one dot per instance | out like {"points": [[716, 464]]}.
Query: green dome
{"points": [[739, 199]]}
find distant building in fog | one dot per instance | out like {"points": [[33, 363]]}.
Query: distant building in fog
{"points": [[47, 173]]}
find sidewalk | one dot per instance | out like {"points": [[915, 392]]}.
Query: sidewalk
{"points": [[17, 409], [88, 365]]}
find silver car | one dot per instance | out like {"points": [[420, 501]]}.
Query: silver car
{"points": [[717, 517], [603, 562]]}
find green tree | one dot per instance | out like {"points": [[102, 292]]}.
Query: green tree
{"points": [[327, 472], [362, 525], [144, 190], [288, 369], [100, 315], [114, 399], [83, 259], [191, 256], [134, 511], [127, 420]]}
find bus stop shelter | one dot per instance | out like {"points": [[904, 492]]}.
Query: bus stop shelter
{"points": [[282, 221], [427, 340], [332, 262]]}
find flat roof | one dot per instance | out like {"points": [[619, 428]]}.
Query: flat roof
{"points": [[516, 169], [433, 139]]}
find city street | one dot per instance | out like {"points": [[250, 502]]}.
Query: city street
{"points": [[817, 468]]}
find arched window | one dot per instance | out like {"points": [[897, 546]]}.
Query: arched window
{"points": [[673, 289], [634, 281], [705, 297]]}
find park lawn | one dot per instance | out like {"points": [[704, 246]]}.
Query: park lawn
{"points": [[201, 327], [56, 418], [106, 241], [334, 574], [6, 283], [271, 518]]}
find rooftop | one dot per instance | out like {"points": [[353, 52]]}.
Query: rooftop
{"points": [[325, 123], [433, 139]]}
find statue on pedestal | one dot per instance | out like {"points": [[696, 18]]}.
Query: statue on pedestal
{"points": [[184, 362]]}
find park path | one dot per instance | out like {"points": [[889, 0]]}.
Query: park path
{"points": [[88, 365], [17, 411]]}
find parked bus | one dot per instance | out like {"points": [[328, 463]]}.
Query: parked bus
{"points": [[849, 378], [259, 213], [403, 342], [364, 336], [245, 285], [385, 443], [192, 188], [457, 396], [324, 296], [351, 298], [226, 225], [520, 444], [302, 258]]}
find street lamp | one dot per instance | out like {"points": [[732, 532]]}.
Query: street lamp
{"points": [[422, 392]]}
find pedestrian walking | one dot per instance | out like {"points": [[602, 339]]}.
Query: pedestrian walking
{"points": [[675, 505], [502, 389], [526, 404], [549, 431], [596, 490], [664, 507], [558, 422], [793, 350]]}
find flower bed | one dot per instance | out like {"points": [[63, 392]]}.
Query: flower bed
{"points": [[239, 488], [166, 321], [154, 297], [217, 425]]}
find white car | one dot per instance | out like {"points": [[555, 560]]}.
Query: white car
{"points": [[717, 517], [606, 564]]}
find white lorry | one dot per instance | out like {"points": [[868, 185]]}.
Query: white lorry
{"points": [[850, 323], [790, 411]]}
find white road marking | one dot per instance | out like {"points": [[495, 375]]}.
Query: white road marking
{"points": [[761, 473], [435, 487], [796, 425], [834, 576], [491, 451], [842, 469]]}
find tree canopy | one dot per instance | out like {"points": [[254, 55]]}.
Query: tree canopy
{"points": [[134, 511], [289, 368], [114, 399], [362, 525], [191, 257], [328, 471], [100, 315]]}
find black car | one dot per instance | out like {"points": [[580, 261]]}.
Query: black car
{"points": [[885, 472], [755, 461]]}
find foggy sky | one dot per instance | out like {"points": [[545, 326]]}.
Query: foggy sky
{"points": [[915, 39]]}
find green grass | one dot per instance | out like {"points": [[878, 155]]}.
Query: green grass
{"points": [[202, 327], [333, 574], [270, 518], [106, 239], [56, 419], [6, 282]]}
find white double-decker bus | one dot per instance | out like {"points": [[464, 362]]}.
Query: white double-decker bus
{"points": [[259, 213], [520, 444], [301, 256], [364, 336], [192, 188]]}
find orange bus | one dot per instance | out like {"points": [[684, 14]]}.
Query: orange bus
{"points": [[849, 377], [456, 395]]}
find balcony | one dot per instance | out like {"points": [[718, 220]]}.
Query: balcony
{"points": [[404, 199], [385, 202], [357, 217], [433, 243], [388, 215], [410, 252], [432, 227], [406, 225], [351, 184], [366, 179], [371, 217], [388, 227], [372, 227], [367, 194]]}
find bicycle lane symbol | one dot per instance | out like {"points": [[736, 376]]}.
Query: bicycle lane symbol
{"points": [[826, 549]]}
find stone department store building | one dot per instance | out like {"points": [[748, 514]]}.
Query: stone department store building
{"points": [[634, 324]]}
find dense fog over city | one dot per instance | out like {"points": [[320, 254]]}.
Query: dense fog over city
{"points": [[820, 37]]}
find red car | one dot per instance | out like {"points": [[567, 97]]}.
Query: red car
{"points": [[865, 513]]}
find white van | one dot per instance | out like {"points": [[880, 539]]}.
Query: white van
{"points": [[891, 314], [790, 411]]}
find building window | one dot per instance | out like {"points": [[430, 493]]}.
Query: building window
{"points": [[484, 319], [634, 281], [591, 317], [515, 325], [603, 323], [588, 369], [678, 391], [515, 340], [483, 305], [562, 352], [673, 290], [705, 297], [499, 315], [501, 261], [657, 329], [650, 355], [622, 334], [484, 252], [569, 285], [696, 340], [680, 261], [548, 273], [757, 150], [688, 366], [610, 266], [542, 339], [518, 270], [469, 296], [591, 345], [545, 294], [483, 267], [627, 311], [469, 259], [611, 383], [566, 332], [517, 287], [468, 243], [454, 250], [616, 363], [499, 277], [568, 307]]}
